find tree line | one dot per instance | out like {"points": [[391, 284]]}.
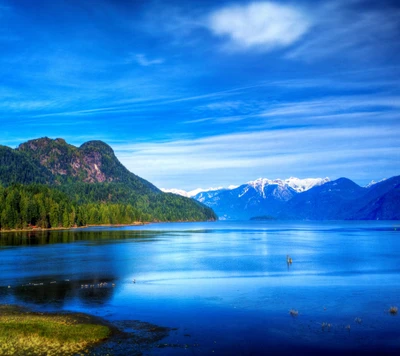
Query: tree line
{"points": [[37, 205]]}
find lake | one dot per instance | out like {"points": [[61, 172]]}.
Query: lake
{"points": [[224, 287]]}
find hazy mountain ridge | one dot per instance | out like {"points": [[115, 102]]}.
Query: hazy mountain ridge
{"points": [[326, 202], [383, 201]]}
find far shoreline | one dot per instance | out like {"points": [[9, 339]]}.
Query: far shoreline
{"points": [[72, 228], [38, 229], [138, 223]]}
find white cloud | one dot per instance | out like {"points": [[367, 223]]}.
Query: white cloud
{"points": [[262, 25], [274, 153], [145, 62]]}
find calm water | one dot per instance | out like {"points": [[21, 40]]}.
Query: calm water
{"points": [[225, 286]]}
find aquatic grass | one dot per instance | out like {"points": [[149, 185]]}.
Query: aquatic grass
{"points": [[393, 310], [293, 312], [326, 325], [23, 333]]}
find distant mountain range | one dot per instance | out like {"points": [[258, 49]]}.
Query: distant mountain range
{"points": [[68, 185], [305, 199], [49, 183]]}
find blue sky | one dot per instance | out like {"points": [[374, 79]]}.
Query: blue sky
{"points": [[209, 93]]}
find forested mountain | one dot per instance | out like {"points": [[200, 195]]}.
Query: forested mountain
{"points": [[16, 166], [93, 162], [49, 183]]}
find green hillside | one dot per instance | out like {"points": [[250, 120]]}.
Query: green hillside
{"points": [[49, 183]]}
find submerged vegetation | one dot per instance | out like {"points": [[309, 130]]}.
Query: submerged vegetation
{"points": [[326, 326], [293, 312], [28, 333]]}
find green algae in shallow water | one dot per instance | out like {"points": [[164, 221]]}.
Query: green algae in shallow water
{"points": [[27, 333]]}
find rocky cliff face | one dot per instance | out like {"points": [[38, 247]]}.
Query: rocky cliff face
{"points": [[85, 163]]}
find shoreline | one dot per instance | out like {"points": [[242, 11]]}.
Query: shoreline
{"points": [[38, 229], [117, 342], [138, 223]]}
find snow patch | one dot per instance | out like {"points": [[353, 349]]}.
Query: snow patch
{"points": [[192, 193], [243, 192], [299, 185], [370, 184], [302, 185], [176, 191]]}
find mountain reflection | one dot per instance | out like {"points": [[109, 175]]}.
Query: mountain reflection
{"points": [[45, 237], [58, 293], [79, 265]]}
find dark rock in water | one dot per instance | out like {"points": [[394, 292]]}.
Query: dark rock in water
{"points": [[263, 218], [133, 337]]}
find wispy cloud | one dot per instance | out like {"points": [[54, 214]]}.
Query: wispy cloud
{"points": [[326, 110], [276, 153], [145, 62], [262, 106], [329, 105], [261, 25], [350, 28], [178, 22], [26, 105], [223, 106]]}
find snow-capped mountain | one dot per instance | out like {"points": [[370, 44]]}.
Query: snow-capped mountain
{"points": [[299, 185], [259, 197], [304, 199]]}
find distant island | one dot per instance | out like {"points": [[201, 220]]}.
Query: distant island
{"points": [[262, 218], [47, 183]]}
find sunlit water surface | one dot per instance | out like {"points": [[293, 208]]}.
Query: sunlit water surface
{"points": [[225, 286]]}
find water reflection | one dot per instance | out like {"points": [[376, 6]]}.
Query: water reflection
{"points": [[34, 238], [57, 293], [67, 267], [242, 280]]}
